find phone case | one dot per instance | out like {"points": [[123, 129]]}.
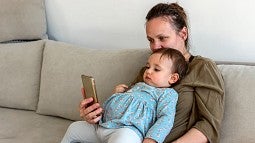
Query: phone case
{"points": [[89, 87]]}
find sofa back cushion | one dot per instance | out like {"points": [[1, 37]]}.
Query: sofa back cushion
{"points": [[238, 123], [22, 20], [20, 66], [63, 65]]}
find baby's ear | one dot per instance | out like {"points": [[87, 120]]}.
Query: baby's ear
{"points": [[173, 78]]}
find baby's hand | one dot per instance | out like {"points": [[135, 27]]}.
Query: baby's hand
{"points": [[120, 88]]}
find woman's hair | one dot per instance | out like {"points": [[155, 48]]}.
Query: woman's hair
{"points": [[174, 12], [179, 66]]}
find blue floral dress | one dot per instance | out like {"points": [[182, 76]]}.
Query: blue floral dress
{"points": [[147, 110]]}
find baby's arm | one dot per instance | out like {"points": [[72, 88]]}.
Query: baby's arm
{"points": [[120, 88], [166, 109]]}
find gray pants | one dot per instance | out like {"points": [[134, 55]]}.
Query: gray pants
{"points": [[83, 132]]}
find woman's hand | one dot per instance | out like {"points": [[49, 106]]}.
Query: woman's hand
{"points": [[193, 135], [120, 88], [149, 140], [90, 113]]}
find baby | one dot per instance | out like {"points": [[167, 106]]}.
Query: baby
{"points": [[148, 108]]}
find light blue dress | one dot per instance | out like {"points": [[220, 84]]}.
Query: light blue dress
{"points": [[147, 110]]}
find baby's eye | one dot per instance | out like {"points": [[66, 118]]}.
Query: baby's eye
{"points": [[147, 67], [156, 69]]}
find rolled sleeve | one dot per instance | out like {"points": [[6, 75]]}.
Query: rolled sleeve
{"points": [[209, 97]]}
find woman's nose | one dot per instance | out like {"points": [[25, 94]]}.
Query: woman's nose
{"points": [[155, 46]]}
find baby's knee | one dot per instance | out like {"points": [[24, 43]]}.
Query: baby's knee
{"points": [[75, 127], [124, 135]]}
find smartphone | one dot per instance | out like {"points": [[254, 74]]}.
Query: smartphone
{"points": [[89, 87]]}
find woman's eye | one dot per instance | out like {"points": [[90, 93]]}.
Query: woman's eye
{"points": [[162, 38], [150, 40]]}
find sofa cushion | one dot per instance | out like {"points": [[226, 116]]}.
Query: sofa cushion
{"points": [[63, 65], [238, 123], [19, 126], [20, 65], [22, 20]]}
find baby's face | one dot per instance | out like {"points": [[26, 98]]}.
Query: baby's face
{"points": [[158, 71]]}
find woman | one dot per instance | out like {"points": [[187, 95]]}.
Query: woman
{"points": [[201, 93]]}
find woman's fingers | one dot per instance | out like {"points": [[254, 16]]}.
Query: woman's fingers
{"points": [[94, 117], [92, 113]]}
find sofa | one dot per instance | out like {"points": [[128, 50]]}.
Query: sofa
{"points": [[40, 80]]}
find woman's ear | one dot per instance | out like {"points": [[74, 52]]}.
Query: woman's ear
{"points": [[173, 78], [184, 33]]}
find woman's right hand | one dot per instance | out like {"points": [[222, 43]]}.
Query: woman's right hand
{"points": [[89, 112]]}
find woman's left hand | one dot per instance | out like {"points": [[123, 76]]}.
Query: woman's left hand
{"points": [[149, 140]]}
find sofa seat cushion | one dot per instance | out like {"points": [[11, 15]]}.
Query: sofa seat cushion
{"points": [[28, 127], [238, 123], [20, 68], [63, 64]]}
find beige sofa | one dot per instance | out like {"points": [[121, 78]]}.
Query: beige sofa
{"points": [[40, 89], [40, 80]]}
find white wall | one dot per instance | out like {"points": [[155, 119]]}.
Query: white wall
{"points": [[221, 30]]}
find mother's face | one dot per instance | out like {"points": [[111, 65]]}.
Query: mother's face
{"points": [[161, 34]]}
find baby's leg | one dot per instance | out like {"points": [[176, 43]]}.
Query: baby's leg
{"points": [[121, 135], [81, 132]]}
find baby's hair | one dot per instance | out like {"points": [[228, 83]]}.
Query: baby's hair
{"points": [[180, 66]]}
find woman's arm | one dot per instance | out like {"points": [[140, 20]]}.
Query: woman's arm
{"points": [[193, 135], [209, 96], [208, 108]]}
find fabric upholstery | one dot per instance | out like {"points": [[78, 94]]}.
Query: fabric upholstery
{"points": [[20, 66], [22, 20], [19, 126], [63, 65], [238, 123], [51, 73]]}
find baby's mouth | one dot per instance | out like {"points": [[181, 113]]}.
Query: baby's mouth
{"points": [[147, 77]]}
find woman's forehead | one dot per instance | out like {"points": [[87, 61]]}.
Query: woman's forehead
{"points": [[158, 26]]}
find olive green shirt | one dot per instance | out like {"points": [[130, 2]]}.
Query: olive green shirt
{"points": [[201, 100]]}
